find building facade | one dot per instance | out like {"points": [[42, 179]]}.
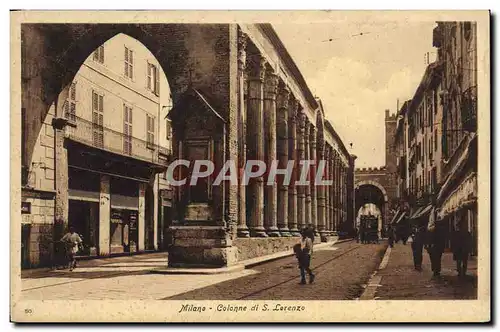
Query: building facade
{"points": [[437, 134], [236, 95], [114, 124], [379, 185]]}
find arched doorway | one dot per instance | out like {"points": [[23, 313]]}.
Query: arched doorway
{"points": [[371, 197]]}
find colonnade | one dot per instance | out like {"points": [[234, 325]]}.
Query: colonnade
{"points": [[273, 125]]}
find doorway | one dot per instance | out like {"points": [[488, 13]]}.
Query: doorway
{"points": [[84, 217]]}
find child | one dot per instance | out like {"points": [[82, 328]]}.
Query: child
{"points": [[303, 252]]}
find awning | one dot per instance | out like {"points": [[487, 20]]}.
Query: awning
{"points": [[422, 212], [396, 215], [401, 216], [463, 196], [415, 213]]}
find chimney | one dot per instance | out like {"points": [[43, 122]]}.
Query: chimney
{"points": [[386, 114]]}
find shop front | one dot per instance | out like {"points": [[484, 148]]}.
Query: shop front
{"points": [[83, 208], [124, 235], [123, 229]]}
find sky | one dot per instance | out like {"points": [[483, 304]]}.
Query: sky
{"points": [[358, 77]]}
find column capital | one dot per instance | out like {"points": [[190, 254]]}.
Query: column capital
{"points": [[283, 96], [313, 133], [270, 84], [242, 45], [256, 67], [293, 110]]}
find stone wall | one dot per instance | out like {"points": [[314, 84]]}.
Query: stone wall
{"points": [[256, 247]]}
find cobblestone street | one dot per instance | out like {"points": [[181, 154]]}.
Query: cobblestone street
{"points": [[401, 282], [342, 272]]}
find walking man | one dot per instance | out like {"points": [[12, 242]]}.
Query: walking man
{"points": [[461, 246], [417, 246], [72, 241], [436, 236], [306, 246]]}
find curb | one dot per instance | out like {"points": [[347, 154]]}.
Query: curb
{"points": [[248, 263], [374, 281]]}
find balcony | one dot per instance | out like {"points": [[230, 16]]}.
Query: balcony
{"points": [[89, 133]]}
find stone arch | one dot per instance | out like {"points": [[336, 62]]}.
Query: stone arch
{"points": [[190, 55], [375, 184], [382, 203]]}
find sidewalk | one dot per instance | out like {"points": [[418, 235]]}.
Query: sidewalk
{"points": [[399, 280]]}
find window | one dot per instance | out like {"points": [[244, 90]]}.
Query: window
{"points": [[168, 129], [98, 119], [99, 54], [153, 79], [127, 129], [467, 30], [129, 63], [435, 139], [70, 104], [150, 130]]}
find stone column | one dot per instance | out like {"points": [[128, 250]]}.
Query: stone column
{"points": [[61, 204], [307, 156], [326, 190], [242, 92], [282, 148], [271, 193], [104, 216], [301, 190], [156, 191], [323, 231], [333, 190], [141, 222], [337, 195], [314, 203], [292, 154], [256, 66]]}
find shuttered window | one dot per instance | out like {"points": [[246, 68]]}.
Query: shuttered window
{"points": [[127, 129], [99, 54], [70, 104], [129, 63], [150, 129], [98, 119]]}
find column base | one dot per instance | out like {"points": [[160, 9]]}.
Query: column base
{"points": [[294, 232], [285, 232], [273, 232], [258, 233], [243, 233]]}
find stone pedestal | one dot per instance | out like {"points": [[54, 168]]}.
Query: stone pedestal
{"points": [[201, 246]]}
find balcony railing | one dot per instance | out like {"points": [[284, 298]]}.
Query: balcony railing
{"points": [[98, 136]]}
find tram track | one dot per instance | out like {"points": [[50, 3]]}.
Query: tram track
{"points": [[315, 270]]}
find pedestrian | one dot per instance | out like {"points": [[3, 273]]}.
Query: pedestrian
{"points": [[72, 241], [435, 243], [461, 243], [390, 236], [305, 253], [417, 246]]}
